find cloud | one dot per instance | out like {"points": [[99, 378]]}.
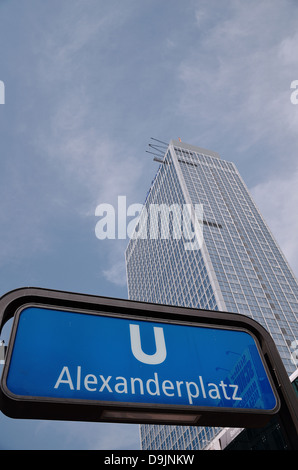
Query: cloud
{"points": [[98, 167], [94, 169], [277, 200], [116, 272], [80, 65], [237, 74], [67, 435], [288, 49], [82, 137], [79, 33], [127, 437]]}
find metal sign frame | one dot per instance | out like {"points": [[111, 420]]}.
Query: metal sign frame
{"points": [[12, 303]]}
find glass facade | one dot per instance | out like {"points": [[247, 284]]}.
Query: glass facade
{"points": [[238, 267], [269, 438]]}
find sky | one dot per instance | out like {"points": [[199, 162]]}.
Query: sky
{"points": [[87, 84]]}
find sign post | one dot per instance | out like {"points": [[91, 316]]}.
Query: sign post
{"points": [[79, 357]]}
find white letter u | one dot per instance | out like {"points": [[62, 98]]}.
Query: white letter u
{"points": [[161, 353]]}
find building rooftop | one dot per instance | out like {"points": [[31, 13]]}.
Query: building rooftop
{"points": [[193, 148]]}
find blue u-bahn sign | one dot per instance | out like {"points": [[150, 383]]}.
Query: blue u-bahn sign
{"points": [[64, 354], [80, 358]]}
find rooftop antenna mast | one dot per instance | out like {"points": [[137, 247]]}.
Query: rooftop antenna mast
{"points": [[158, 148]]}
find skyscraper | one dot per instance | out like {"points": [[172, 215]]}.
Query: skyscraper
{"points": [[235, 266]]}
